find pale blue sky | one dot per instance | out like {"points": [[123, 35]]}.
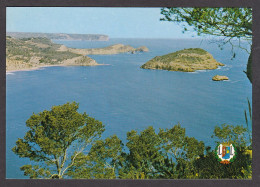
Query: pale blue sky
{"points": [[115, 22]]}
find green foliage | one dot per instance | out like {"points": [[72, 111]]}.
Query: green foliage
{"points": [[52, 136], [62, 143], [178, 55], [144, 152], [231, 134], [36, 171], [177, 145], [228, 22], [102, 161], [183, 149], [26, 48]]}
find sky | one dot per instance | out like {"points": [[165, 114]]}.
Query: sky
{"points": [[114, 22]]}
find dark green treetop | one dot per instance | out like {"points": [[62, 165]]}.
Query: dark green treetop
{"points": [[102, 161], [144, 153], [231, 134], [53, 136]]}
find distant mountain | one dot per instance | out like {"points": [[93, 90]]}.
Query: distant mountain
{"points": [[59, 36]]}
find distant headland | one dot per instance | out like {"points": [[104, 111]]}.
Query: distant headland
{"points": [[59, 36], [186, 60], [113, 49], [33, 53]]}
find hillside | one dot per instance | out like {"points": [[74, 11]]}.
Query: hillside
{"points": [[32, 53], [113, 49], [59, 36], [187, 60]]}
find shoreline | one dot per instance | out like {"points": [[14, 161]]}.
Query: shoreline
{"points": [[46, 66]]}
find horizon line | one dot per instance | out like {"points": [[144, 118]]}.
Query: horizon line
{"points": [[130, 37]]}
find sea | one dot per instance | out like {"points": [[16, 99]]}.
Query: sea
{"points": [[125, 97]]}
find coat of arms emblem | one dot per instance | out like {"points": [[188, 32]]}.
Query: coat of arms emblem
{"points": [[225, 153]]}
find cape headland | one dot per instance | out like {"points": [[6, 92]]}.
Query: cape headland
{"points": [[33, 53], [186, 60], [110, 50]]}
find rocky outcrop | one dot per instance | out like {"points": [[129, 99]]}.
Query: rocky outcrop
{"points": [[219, 78], [187, 60], [140, 50]]}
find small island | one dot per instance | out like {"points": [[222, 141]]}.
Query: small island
{"points": [[186, 60], [219, 78]]}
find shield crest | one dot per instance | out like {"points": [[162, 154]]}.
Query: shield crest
{"points": [[225, 153]]}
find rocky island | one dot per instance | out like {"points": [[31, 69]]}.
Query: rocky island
{"points": [[113, 49], [219, 78], [186, 60]]}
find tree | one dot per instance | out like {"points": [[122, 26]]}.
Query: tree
{"points": [[231, 134], [182, 149], [144, 154], [102, 161], [167, 154], [53, 136], [228, 23]]}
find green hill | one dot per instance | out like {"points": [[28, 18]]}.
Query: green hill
{"points": [[186, 60]]}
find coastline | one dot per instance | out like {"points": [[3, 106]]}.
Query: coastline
{"points": [[46, 66], [42, 52]]}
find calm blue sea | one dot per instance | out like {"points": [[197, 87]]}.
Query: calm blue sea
{"points": [[125, 97]]}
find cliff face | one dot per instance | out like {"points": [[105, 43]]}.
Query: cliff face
{"points": [[187, 60], [38, 52], [59, 36]]}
